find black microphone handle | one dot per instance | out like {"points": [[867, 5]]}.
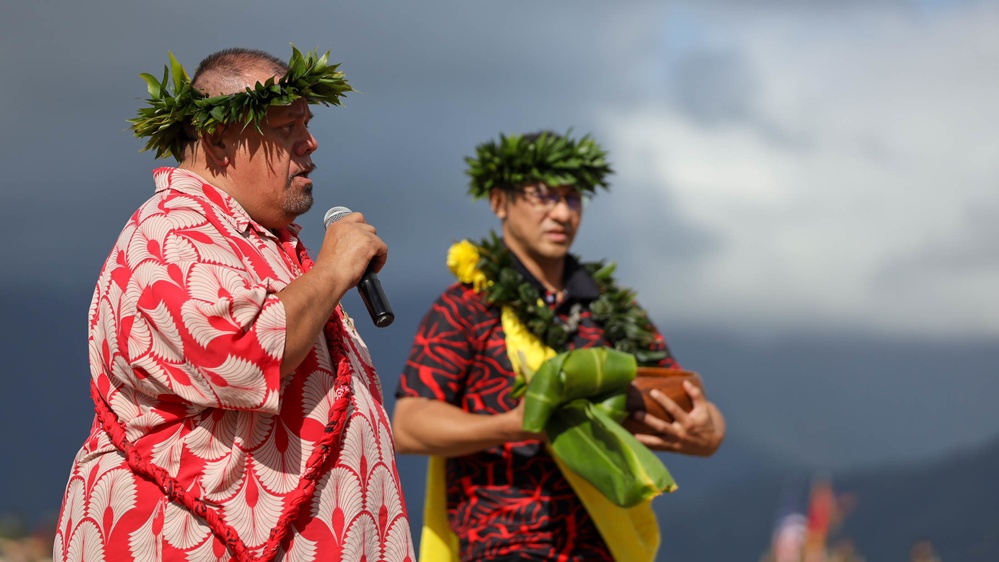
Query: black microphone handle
{"points": [[374, 299], [369, 286]]}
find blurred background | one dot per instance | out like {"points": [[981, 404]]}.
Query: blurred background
{"points": [[805, 200]]}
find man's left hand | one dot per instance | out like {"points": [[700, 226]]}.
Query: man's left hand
{"points": [[698, 432]]}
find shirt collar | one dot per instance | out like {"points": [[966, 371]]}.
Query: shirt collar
{"points": [[190, 183], [579, 284]]}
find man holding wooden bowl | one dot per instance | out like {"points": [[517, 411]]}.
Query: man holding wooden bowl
{"points": [[537, 385]]}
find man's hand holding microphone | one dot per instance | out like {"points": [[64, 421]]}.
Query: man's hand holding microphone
{"points": [[351, 256]]}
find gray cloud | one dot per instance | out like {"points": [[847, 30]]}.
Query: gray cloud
{"points": [[968, 248], [714, 86], [438, 78]]}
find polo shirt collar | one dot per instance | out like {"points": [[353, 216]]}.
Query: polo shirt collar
{"points": [[579, 284]]}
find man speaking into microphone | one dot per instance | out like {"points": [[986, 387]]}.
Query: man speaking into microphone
{"points": [[238, 413]]}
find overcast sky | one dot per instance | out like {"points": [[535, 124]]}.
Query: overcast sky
{"points": [[784, 169], [780, 166]]}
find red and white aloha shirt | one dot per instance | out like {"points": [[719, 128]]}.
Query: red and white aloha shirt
{"points": [[200, 450]]}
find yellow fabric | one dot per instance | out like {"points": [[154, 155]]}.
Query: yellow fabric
{"points": [[631, 534], [438, 543], [526, 351]]}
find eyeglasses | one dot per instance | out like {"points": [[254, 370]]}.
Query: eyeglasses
{"points": [[548, 200]]}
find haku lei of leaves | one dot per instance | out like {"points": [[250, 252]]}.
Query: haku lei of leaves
{"points": [[626, 325], [173, 102], [552, 159]]}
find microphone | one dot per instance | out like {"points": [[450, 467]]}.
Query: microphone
{"points": [[369, 287]]}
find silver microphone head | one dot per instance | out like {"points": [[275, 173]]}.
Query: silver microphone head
{"points": [[335, 214]]}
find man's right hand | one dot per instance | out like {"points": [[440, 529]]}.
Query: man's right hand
{"points": [[350, 247], [515, 418]]}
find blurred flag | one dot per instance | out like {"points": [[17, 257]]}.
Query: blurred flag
{"points": [[822, 511], [791, 525], [789, 537]]}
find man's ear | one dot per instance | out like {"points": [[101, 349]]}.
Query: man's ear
{"points": [[497, 202], [216, 149]]}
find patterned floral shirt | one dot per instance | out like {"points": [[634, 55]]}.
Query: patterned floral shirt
{"points": [[509, 502], [186, 341]]}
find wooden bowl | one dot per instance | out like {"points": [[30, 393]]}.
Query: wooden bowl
{"points": [[667, 381]]}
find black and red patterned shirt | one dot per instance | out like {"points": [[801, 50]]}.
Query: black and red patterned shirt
{"points": [[509, 502]]}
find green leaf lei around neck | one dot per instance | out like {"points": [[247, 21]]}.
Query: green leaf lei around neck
{"points": [[626, 325], [552, 159], [309, 76]]}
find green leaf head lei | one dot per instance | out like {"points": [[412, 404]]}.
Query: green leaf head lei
{"points": [[546, 157], [174, 103]]}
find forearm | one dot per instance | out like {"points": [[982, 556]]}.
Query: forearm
{"points": [[423, 426], [308, 302]]}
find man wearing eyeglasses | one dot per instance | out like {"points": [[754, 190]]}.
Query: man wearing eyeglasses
{"points": [[494, 490]]}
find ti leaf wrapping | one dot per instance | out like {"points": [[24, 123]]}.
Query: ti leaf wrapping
{"points": [[607, 455], [578, 399]]}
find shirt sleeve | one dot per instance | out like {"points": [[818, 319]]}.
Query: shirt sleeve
{"points": [[659, 344], [193, 321], [443, 348]]}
